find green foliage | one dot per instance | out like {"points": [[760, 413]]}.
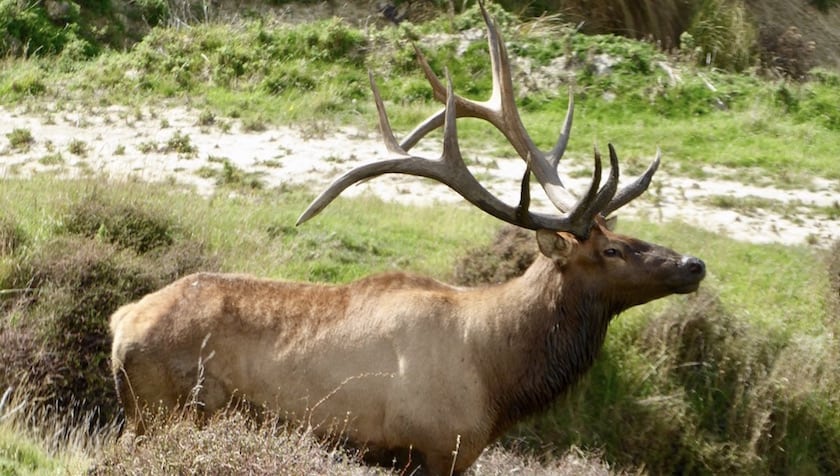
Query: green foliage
{"points": [[12, 236], [29, 31], [19, 81], [20, 138], [122, 224], [721, 35], [154, 12], [77, 147], [180, 143]]}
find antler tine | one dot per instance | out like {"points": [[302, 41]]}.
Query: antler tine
{"points": [[384, 123], [501, 111], [595, 200], [559, 148], [633, 190]]}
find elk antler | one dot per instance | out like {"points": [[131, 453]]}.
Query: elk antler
{"points": [[500, 110]]}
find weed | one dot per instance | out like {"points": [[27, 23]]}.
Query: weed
{"points": [[510, 254], [12, 236], [254, 124], [51, 159], [20, 139], [68, 285], [147, 147], [206, 118], [78, 147], [180, 143], [119, 149], [126, 226], [232, 175]]}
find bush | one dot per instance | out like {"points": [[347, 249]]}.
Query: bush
{"points": [[721, 35], [29, 29], [55, 333], [511, 253], [229, 443], [126, 226], [786, 52]]}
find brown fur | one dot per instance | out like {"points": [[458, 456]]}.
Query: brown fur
{"points": [[398, 361]]}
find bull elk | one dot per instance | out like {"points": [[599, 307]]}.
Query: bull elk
{"points": [[414, 368]]}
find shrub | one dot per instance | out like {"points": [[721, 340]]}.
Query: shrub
{"points": [[127, 226], [55, 334], [229, 443], [786, 52], [825, 5], [154, 12], [510, 254], [29, 28], [721, 35], [20, 139]]}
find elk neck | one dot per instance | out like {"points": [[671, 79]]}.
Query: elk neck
{"points": [[545, 333]]}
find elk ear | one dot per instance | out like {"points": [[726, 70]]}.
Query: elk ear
{"points": [[556, 245], [611, 222]]}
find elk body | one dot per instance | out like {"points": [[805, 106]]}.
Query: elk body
{"points": [[409, 368]]}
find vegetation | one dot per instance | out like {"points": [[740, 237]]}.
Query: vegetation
{"points": [[258, 72], [740, 378]]}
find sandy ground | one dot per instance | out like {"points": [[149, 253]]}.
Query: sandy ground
{"points": [[123, 144]]}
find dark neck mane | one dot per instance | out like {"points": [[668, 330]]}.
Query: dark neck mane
{"points": [[571, 340]]}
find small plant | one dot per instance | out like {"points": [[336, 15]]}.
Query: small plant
{"points": [[119, 150], [20, 139], [51, 159], [206, 118], [147, 147], [78, 147], [254, 124], [180, 143]]}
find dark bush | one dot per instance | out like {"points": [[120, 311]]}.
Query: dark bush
{"points": [[510, 254], [786, 52], [60, 335], [54, 335], [127, 226]]}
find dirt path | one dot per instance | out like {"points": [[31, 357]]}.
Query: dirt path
{"points": [[122, 144]]}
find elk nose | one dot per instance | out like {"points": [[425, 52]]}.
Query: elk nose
{"points": [[694, 265]]}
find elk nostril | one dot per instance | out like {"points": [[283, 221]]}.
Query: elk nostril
{"points": [[694, 265]]}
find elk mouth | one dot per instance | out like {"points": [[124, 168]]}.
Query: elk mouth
{"points": [[688, 288]]}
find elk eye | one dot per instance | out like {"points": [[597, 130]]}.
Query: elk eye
{"points": [[611, 253]]}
